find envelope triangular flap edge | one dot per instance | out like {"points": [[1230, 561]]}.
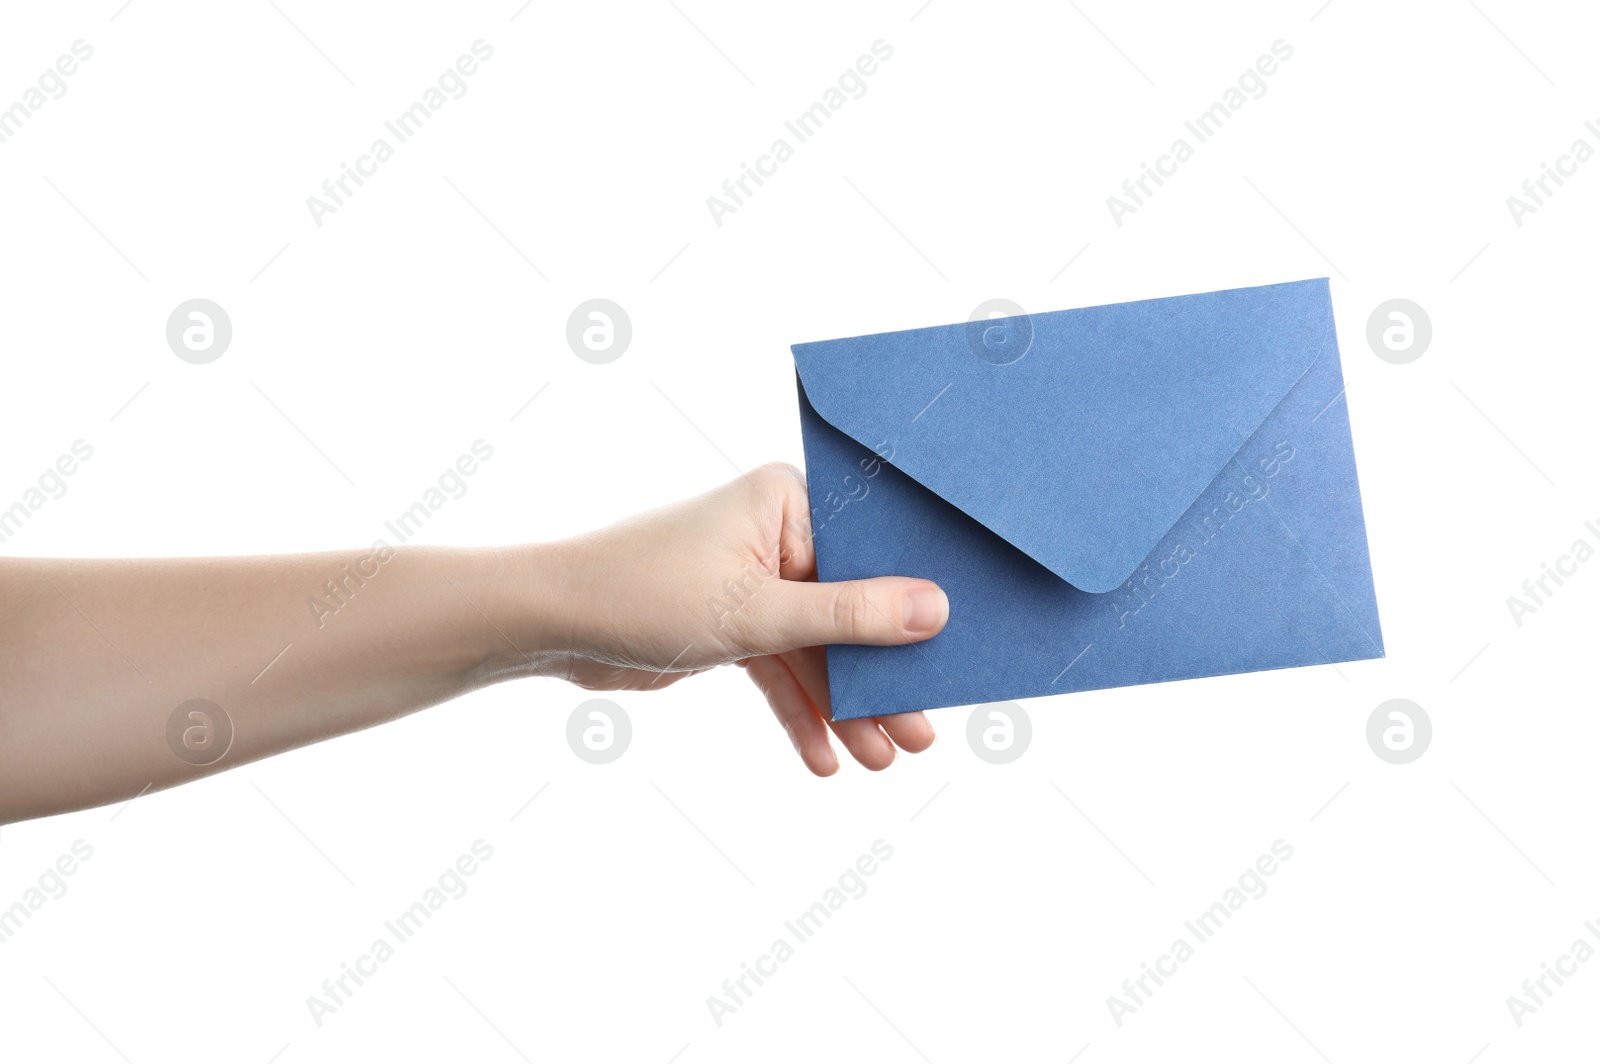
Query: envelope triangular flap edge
{"points": [[1087, 449]]}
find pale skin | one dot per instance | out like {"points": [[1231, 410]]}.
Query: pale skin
{"points": [[95, 655]]}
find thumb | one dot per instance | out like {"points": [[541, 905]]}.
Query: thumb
{"points": [[883, 611]]}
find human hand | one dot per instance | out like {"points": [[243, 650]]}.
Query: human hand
{"points": [[730, 577]]}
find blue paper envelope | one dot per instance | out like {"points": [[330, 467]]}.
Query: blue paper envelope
{"points": [[1116, 495]]}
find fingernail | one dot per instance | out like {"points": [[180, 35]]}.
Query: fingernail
{"points": [[925, 609]]}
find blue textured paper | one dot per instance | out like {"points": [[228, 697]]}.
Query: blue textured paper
{"points": [[1154, 491]]}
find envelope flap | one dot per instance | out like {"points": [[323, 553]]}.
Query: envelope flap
{"points": [[1079, 436]]}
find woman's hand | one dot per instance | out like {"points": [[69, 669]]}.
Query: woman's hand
{"points": [[730, 577], [102, 655]]}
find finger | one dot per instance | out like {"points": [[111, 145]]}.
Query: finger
{"points": [[863, 738], [883, 611], [783, 508], [796, 712], [797, 555], [810, 667], [911, 732], [866, 742]]}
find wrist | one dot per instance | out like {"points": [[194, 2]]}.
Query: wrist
{"points": [[524, 603]]}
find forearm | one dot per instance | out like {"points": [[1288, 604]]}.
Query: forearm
{"points": [[121, 676], [95, 656]]}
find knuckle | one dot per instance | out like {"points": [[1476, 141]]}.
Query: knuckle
{"points": [[852, 611], [781, 474]]}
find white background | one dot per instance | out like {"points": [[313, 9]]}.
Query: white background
{"points": [[976, 166]]}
